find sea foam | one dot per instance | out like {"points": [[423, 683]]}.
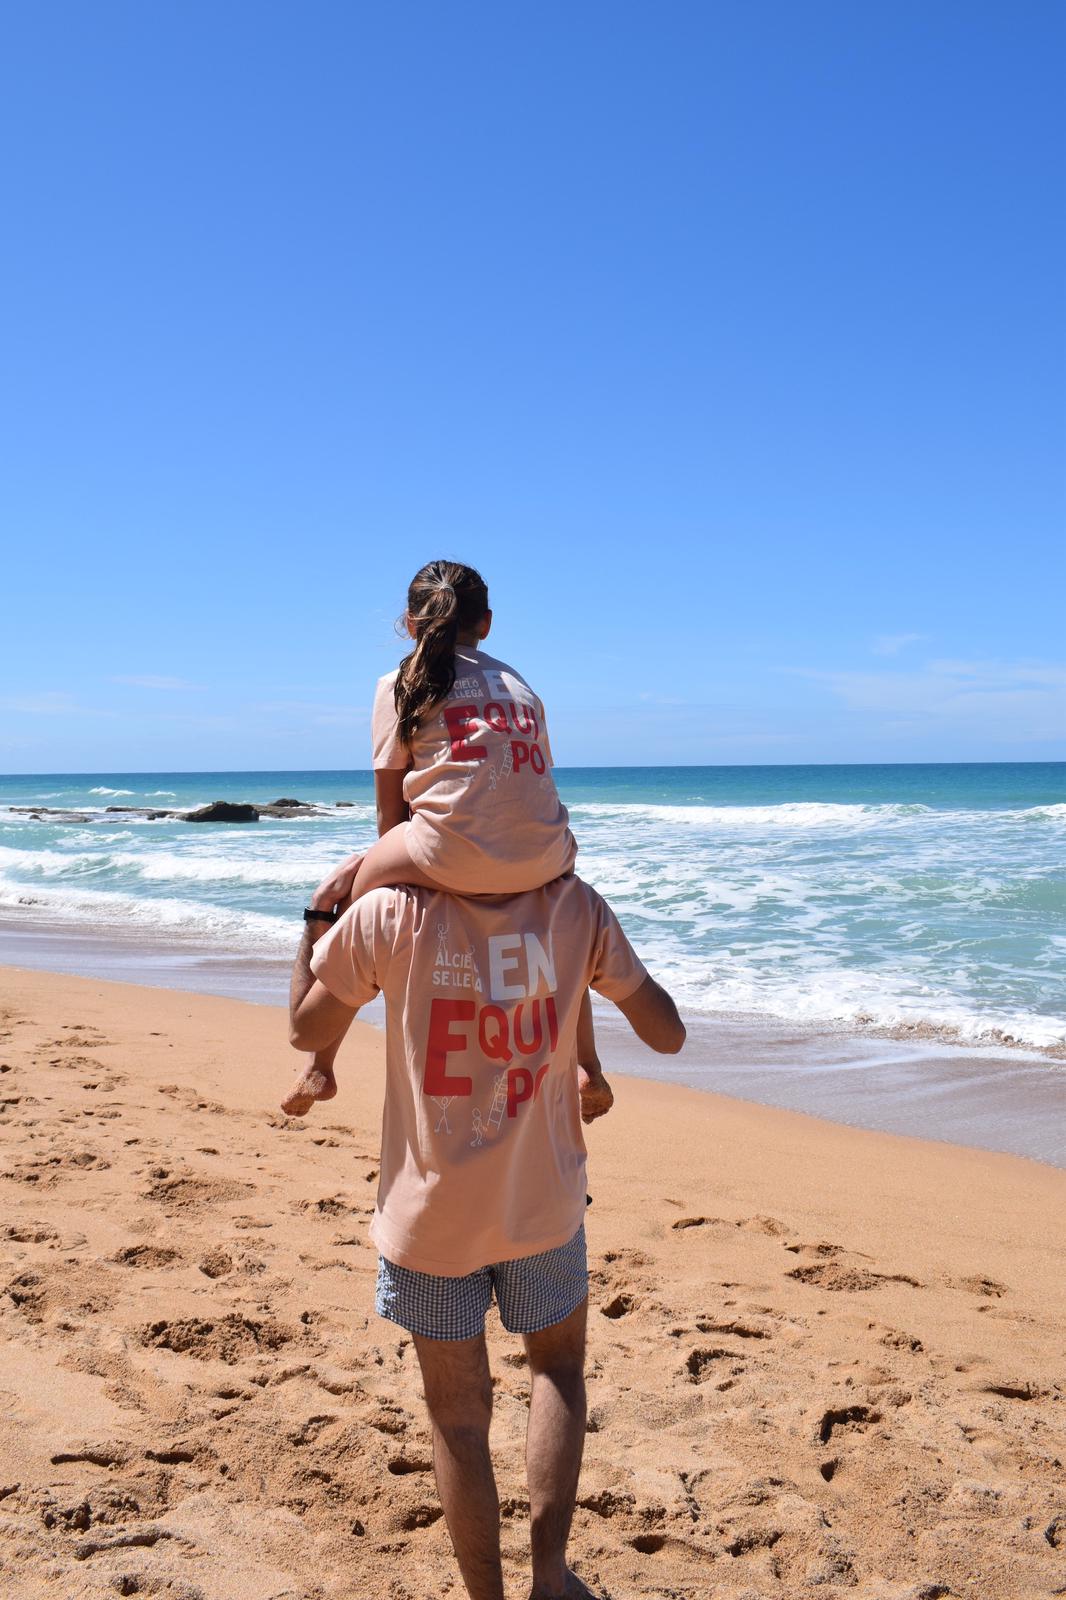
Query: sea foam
{"points": [[752, 895], [794, 816]]}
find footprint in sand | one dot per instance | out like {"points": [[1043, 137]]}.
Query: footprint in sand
{"points": [[217, 1263], [837, 1277], [400, 1466], [28, 1233], [988, 1287], [854, 1418], [894, 1339], [78, 1038], [742, 1330], [77, 1063], [609, 1503], [764, 1224], [628, 1258], [309, 1431], [39, 1294], [1011, 1389], [334, 1205], [46, 1171], [180, 1191], [109, 1456], [230, 1339], [145, 1255], [823, 1251], [388, 1418], [620, 1305], [26, 1292], [707, 1365]]}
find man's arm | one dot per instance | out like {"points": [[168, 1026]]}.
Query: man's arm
{"points": [[653, 1017], [316, 1017]]}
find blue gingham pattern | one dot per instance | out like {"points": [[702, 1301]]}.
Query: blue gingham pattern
{"points": [[532, 1293]]}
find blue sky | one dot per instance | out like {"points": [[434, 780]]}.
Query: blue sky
{"points": [[726, 340]]}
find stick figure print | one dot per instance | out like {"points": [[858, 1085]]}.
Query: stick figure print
{"points": [[480, 1124]]}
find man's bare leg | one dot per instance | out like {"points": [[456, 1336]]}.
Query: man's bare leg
{"points": [[455, 1375], [555, 1439]]}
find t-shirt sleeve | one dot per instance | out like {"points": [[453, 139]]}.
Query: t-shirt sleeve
{"points": [[616, 969], [350, 959], [389, 751], [544, 741]]}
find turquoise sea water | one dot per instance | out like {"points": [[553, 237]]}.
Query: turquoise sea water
{"points": [[922, 897]]}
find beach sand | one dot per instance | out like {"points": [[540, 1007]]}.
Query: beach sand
{"points": [[821, 1361]]}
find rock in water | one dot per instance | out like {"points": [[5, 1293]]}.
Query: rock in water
{"points": [[223, 811], [288, 802]]}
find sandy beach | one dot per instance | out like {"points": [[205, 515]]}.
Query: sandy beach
{"points": [[821, 1360]]}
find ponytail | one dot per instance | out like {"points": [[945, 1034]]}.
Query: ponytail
{"points": [[444, 597]]}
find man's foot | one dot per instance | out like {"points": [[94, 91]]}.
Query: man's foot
{"points": [[314, 1083], [573, 1589]]}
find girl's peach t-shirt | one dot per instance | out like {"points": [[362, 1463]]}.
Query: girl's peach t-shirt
{"points": [[482, 1151], [485, 813]]}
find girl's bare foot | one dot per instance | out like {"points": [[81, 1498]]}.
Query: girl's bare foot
{"points": [[314, 1083]]}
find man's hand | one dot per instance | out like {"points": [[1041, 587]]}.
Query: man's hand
{"points": [[335, 890], [596, 1095]]}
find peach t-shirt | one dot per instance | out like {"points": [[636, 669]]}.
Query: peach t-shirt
{"points": [[482, 1153], [485, 813]]}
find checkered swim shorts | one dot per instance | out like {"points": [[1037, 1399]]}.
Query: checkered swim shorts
{"points": [[532, 1293]]}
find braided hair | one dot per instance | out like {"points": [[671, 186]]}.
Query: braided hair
{"points": [[443, 598]]}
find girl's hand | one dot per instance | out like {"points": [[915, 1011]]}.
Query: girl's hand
{"points": [[335, 890], [596, 1095]]}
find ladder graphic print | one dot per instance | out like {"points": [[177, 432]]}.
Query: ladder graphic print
{"points": [[506, 763], [499, 1100]]}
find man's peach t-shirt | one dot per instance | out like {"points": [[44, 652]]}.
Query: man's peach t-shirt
{"points": [[485, 813], [482, 1152]]}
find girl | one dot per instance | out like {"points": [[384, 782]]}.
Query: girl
{"points": [[462, 776]]}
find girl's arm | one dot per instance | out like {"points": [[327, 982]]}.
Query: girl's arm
{"points": [[392, 808], [388, 792]]}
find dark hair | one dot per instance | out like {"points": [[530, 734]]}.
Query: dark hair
{"points": [[444, 597]]}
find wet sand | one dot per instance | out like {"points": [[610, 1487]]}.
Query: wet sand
{"points": [[1011, 1100], [821, 1360]]}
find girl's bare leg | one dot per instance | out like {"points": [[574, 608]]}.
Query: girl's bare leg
{"points": [[386, 862]]}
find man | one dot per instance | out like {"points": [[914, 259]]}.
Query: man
{"points": [[482, 1180]]}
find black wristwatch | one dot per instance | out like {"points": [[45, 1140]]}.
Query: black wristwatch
{"points": [[310, 915]]}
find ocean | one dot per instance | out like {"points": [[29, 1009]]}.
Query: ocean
{"points": [[924, 901]]}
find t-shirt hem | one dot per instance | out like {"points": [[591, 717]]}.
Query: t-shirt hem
{"points": [[401, 1256], [422, 858], [481, 866]]}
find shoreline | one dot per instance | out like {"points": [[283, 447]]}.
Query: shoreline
{"points": [[820, 1358], [1010, 1100]]}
